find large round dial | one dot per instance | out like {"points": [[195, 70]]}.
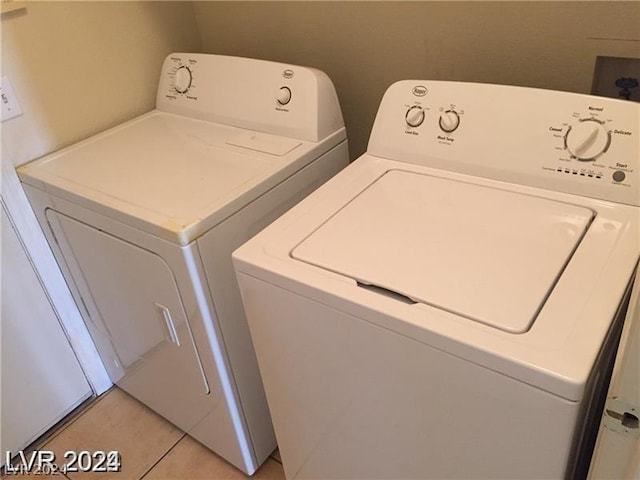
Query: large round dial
{"points": [[414, 116], [183, 79], [587, 139], [449, 121]]}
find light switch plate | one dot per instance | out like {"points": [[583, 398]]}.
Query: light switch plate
{"points": [[10, 106]]}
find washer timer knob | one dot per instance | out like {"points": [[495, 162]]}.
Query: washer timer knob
{"points": [[183, 79], [414, 116], [587, 140], [449, 121]]}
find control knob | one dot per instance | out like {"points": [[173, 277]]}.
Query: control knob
{"points": [[284, 95], [587, 139], [449, 121], [183, 79], [414, 116]]}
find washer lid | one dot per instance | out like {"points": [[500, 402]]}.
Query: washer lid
{"points": [[490, 255]]}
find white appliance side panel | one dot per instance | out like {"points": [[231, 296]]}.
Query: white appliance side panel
{"points": [[617, 450], [41, 378], [352, 400], [216, 247]]}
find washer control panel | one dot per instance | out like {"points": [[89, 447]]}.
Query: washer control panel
{"points": [[562, 141], [263, 96]]}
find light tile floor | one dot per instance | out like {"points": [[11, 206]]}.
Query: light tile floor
{"points": [[150, 447]]}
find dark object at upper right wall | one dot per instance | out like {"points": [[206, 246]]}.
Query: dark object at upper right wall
{"points": [[616, 77]]}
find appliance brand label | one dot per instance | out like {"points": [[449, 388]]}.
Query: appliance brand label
{"points": [[419, 91]]}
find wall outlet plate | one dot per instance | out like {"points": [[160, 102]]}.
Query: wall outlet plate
{"points": [[10, 106]]}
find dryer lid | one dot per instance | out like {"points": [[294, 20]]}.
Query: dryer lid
{"points": [[171, 176], [487, 254]]}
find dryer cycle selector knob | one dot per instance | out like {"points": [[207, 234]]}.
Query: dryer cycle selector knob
{"points": [[183, 79], [284, 95], [449, 121], [587, 140], [414, 116]]}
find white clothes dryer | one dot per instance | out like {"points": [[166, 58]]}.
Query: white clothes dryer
{"points": [[449, 304], [143, 219]]}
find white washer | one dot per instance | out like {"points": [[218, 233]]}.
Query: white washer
{"points": [[447, 306], [143, 219]]}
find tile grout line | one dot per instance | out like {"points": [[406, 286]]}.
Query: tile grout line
{"points": [[91, 403], [162, 456], [47, 437]]}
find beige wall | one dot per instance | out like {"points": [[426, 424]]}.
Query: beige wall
{"points": [[81, 67], [366, 46]]}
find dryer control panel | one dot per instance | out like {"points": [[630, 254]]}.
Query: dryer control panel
{"points": [[561, 141], [269, 97]]}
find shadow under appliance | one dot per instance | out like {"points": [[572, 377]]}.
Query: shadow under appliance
{"points": [[143, 219], [449, 304]]}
